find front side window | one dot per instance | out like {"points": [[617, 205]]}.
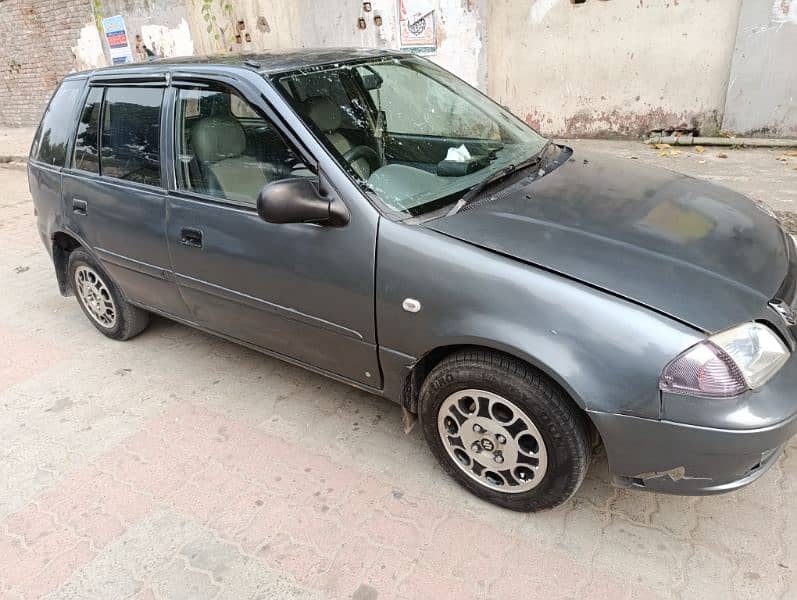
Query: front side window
{"points": [[52, 138], [408, 130], [130, 141], [226, 149], [87, 156]]}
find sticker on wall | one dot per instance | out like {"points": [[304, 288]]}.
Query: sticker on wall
{"points": [[417, 26], [116, 36]]}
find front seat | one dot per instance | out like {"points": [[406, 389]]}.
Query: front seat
{"points": [[219, 144], [328, 117]]}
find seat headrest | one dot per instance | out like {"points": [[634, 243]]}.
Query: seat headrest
{"points": [[324, 113], [217, 138]]}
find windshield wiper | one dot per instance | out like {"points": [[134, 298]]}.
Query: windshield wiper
{"points": [[477, 189]]}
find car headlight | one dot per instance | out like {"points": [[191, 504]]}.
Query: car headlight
{"points": [[726, 364]]}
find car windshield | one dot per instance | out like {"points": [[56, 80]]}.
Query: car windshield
{"points": [[411, 132]]}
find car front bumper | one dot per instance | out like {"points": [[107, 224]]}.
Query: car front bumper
{"points": [[734, 444], [674, 458]]}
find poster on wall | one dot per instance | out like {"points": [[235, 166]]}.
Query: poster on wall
{"points": [[116, 36], [417, 28]]}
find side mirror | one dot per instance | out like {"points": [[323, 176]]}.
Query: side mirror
{"points": [[297, 200]]}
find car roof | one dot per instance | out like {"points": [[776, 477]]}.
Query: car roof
{"points": [[267, 63]]}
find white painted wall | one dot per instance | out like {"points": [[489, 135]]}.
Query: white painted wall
{"points": [[461, 29], [611, 67], [603, 68], [88, 51], [169, 41], [762, 93]]}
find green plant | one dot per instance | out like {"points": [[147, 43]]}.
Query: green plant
{"points": [[97, 5], [209, 15]]}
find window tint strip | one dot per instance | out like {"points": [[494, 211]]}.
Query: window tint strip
{"points": [[130, 139], [87, 155]]}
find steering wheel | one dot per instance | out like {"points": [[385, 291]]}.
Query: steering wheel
{"points": [[366, 152]]}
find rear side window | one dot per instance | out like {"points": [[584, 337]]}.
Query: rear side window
{"points": [[87, 157], [130, 141], [57, 124]]}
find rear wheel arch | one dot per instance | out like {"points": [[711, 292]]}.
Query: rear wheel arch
{"points": [[62, 246]]}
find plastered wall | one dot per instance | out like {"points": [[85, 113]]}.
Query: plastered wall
{"points": [[762, 91], [612, 67], [605, 68]]}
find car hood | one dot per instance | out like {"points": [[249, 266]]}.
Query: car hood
{"points": [[698, 252]]}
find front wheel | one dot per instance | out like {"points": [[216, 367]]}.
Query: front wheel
{"points": [[504, 431]]}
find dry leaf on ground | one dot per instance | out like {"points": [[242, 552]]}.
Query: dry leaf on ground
{"points": [[722, 155], [700, 149]]}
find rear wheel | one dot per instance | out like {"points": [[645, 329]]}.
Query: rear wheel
{"points": [[504, 430], [101, 300]]}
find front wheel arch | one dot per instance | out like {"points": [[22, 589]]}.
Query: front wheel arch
{"points": [[415, 378]]}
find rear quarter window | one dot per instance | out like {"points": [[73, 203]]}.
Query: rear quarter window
{"points": [[57, 124]]}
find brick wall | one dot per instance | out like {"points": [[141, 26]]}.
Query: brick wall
{"points": [[36, 40]]}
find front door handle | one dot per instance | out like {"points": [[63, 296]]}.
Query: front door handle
{"points": [[191, 237], [79, 207]]}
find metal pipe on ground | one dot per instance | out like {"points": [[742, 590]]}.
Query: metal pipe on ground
{"points": [[691, 140]]}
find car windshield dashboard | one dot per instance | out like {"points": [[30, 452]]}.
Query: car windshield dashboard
{"points": [[407, 130]]}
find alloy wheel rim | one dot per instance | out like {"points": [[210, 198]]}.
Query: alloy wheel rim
{"points": [[95, 296], [492, 441]]}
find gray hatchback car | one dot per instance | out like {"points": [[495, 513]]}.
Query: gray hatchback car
{"points": [[369, 216]]}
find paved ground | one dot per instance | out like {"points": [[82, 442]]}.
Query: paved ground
{"points": [[178, 465]]}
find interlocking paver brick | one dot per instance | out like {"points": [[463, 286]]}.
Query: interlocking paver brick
{"points": [[177, 582]]}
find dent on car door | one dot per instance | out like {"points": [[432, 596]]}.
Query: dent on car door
{"points": [[113, 194], [300, 290]]}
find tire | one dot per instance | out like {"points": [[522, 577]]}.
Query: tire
{"points": [[487, 403], [101, 300]]}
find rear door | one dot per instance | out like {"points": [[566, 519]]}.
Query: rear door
{"points": [[113, 195], [299, 290]]}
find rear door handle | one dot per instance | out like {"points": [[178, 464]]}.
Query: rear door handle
{"points": [[79, 207], [191, 237]]}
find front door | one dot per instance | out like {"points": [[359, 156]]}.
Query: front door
{"points": [[112, 193], [300, 290]]}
